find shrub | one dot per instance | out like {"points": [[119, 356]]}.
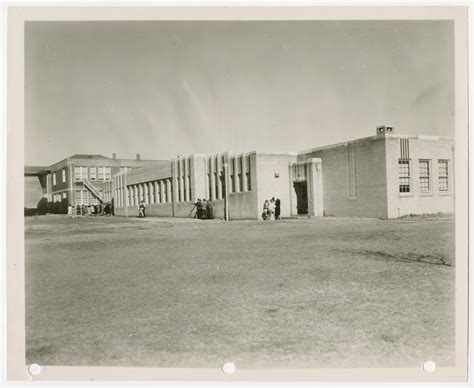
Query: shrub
{"points": [[57, 207], [64, 205], [42, 206]]}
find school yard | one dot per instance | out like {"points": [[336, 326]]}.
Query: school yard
{"points": [[187, 293]]}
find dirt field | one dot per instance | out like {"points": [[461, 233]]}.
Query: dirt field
{"points": [[296, 293]]}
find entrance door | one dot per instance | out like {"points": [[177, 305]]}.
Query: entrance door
{"points": [[301, 190]]}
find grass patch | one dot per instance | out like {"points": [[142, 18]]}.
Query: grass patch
{"points": [[293, 293]]}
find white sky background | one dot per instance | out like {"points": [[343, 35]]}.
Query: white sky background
{"points": [[167, 88]]}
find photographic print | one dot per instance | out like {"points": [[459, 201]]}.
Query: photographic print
{"points": [[278, 194]]}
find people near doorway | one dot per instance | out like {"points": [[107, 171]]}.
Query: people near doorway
{"points": [[96, 210], [271, 208], [210, 209], [265, 213], [277, 209], [83, 210], [141, 209], [78, 210]]}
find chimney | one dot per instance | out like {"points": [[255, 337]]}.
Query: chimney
{"points": [[114, 156], [138, 156], [382, 129]]}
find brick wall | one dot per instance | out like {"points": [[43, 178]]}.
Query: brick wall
{"points": [[416, 202], [370, 196]]}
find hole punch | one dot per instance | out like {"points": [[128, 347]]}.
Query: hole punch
{"points": [[429, 366], [228, 368], [34, 369]]}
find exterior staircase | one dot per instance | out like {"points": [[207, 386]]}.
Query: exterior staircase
{"points": [[94, 190]]}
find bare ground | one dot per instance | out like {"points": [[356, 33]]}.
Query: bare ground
{"points": [[292, 293]]}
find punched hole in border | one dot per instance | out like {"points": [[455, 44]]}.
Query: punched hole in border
{"points": [[429, 366], [228, 368], [34, 369]]}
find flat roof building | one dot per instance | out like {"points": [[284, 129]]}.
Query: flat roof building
{"points": [[383, 176]]}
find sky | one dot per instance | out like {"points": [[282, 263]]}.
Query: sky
{"points": [[168, 88]]}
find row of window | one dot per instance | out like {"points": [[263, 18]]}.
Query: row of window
{"points": [[237, 183], [63, 175], [92, 173], [425, 176], [59, 197], [159, 191], [84, 197]]}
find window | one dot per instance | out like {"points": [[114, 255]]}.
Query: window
{"points": [[64, 195], [232, 180], [54, 178], [443, 176], [239, 181], [425, 182], [107, 173], [100, 173], [78, 197], [77, 173], [93, 173], [404, 175], [249, 184], [64, 175]]}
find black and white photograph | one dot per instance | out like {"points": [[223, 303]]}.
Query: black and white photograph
{"points": [[240, 194]]}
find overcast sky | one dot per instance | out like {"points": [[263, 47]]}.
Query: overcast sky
{"points": [[167, 88]]}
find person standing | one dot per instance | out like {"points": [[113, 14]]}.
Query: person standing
{"points": [[277, 209], [271, 208], [210, 209], [141, 209], [202, 209], [69, 211], [265, 214], [198, 209]]}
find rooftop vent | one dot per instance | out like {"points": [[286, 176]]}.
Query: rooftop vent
{"points": [[114, 156], [381, 129], [138, 156]]}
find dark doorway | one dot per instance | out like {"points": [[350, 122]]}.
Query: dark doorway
{"points": [[301, 190]]}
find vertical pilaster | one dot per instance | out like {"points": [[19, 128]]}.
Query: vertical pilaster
{"points": [[156, 192], [206, 178], [244, 171], [185, 173], [219, 169], [314, 178], [169, 191], [212, 165]]}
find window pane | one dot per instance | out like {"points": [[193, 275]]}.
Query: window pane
{"points": [[424, 167], [77, 173], [404, 175]]}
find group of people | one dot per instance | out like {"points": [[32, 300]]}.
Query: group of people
{"points": [[101, 209], [271, 209], [204, 209]]}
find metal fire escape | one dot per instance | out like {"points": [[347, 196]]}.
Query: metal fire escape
{"points": [[94, 190]]}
